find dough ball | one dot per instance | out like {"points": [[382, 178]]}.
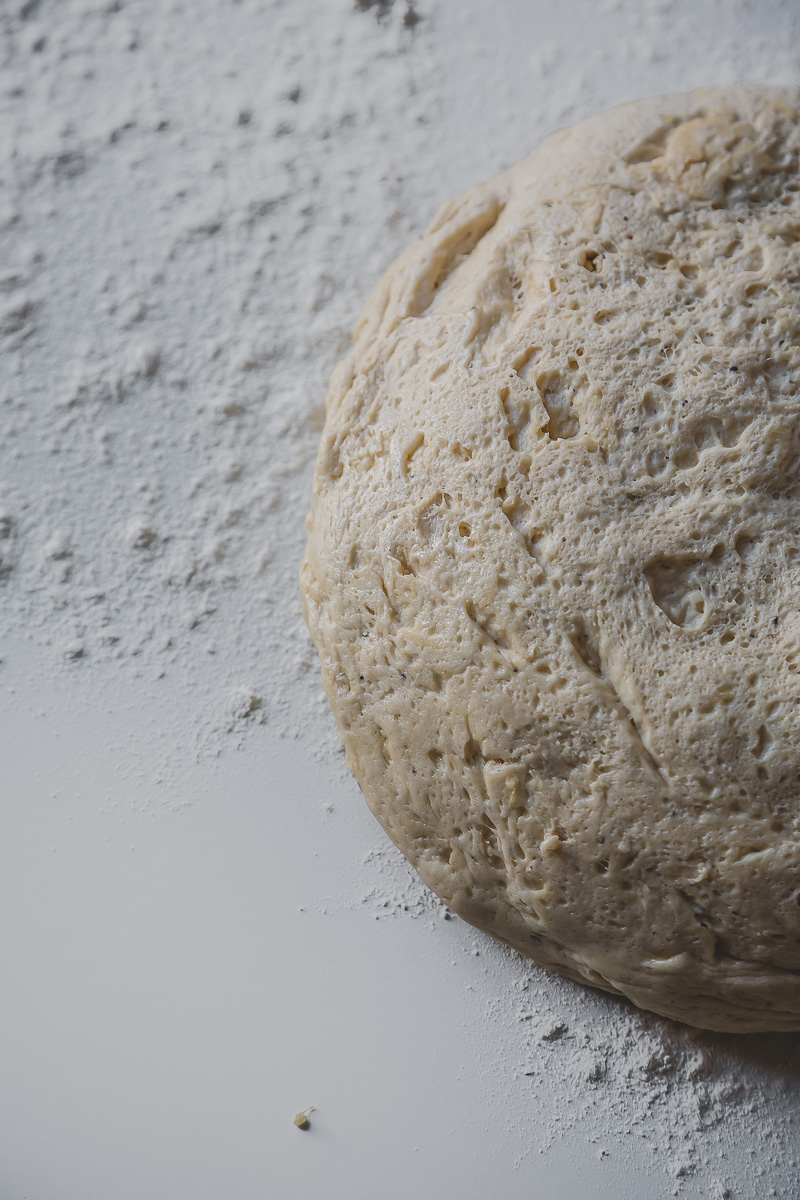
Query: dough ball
{"points": [[553, 568]]}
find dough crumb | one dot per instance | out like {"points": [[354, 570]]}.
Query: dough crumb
{"points": [[301, 1120]]}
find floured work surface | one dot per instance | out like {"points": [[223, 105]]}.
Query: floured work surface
{"points": [[552, 570]]}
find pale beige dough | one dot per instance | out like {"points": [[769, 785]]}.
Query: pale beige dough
{"points": [[553, 568]]}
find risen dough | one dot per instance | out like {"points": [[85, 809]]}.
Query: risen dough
{"points": [[553, 569]]}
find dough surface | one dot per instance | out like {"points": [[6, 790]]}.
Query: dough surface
{"points": [[553, 568]]}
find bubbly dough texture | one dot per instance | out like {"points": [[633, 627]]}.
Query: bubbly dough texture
{"points": [[553, 570]]}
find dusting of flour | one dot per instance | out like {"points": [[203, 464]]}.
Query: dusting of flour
{"points": [[195, 199]]}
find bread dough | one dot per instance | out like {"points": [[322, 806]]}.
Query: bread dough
{"points": [[553, 568]]}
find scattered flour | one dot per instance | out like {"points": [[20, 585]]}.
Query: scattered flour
{"points": [[195, 199], [636, 1085]]}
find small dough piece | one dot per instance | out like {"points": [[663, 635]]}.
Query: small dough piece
{"points": [[553, 567]]}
